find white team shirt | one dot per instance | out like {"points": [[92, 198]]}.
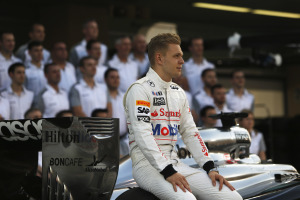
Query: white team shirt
{"points": [[67, 77], [237, 103], [46, 56], [18, 104], [128, 71], [5, 81], [35, 78], [202, 99], [99, 77], [119, 112], [51, 102], [143, 65], [193, 72], [4, 108]]}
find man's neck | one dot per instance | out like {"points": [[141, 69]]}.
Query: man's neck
{"points": [[123, 58], [54, 86], [239, 91], [89, 81], [37, 63], [139, 55], [17, 88], [161, 74], [220, 105], [6, 55], [198, 59], [113, 92]]}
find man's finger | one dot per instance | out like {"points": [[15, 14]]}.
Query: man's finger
{"points": [[182, 187], [229, 185], [213, 180], [174, 187], [186, 185], [221, 179]]}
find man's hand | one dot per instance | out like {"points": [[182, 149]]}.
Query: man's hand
{"points": [[213, 175], [178, 179]]}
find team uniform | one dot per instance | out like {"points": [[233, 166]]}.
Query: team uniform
{"points": [[4, 108], [99, 76], [5, 81], [143, 65], [193, 72], [157, 111], [18, 104], [35, 79], [257, 142], [237, 103], [68, 77], [128, 71], [23, 54], [202, 99]]}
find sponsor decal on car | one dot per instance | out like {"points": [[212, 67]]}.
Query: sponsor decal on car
{"points": [[158, 101], [165, 131], [151, 83], [159, 93], [174, 87], [142, 103]]}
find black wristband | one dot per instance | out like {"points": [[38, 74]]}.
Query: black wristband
{"points": [[168, 171], [208, 166]]}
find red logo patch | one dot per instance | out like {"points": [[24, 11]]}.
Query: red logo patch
{"points": [[154, 114]]}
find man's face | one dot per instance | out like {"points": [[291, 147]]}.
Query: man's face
{"points": [[210, 79], [53, 74], [238, 80], [60, 51], [139, 44], [248, 123], [35, 115], [197, 47], [90, 68], [38, 33], [91, 30], [102, 114], [172, 61], [7, 42], [36, 53], [208, 121], [95, 51], [18, 76], [124, 47], [113, 80], [219, 95]]}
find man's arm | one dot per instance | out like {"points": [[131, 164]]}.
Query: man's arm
{"points": [[75, 102]]}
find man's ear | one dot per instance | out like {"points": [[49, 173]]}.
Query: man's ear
{"points": [[159, 58]]}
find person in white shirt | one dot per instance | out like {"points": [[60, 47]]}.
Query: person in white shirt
{"points": [[128, 69], [59, 55], [94, 50], [36, 33], [192, 69], [20, 99], [203, 97], [205, 112], [238, 97], [91, 32], [258, 145], [7, 45], [218, 93], [35, 79], [139, 54], [112, 80], [4, 108], [88, 95], [52, 99]]}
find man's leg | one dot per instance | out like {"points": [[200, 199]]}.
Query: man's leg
{"points": [[152, 181], [201, 185]]}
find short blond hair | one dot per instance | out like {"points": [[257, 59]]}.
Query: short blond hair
{"points": [[161, 43]]}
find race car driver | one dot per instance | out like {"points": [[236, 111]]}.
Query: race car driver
{"points": [[157, 111]]}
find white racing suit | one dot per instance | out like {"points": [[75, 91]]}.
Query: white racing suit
{"points": [[157, 111]]}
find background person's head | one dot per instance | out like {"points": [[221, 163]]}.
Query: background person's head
{"points": [[33, 113], [139, 44], [196, 46], [37, 32], [205, 112], [59, 51], [90, 29], [7, 42], [100, 113], [52, 73], [218, 93], [88, 67], [238, 79], [248, 122], [64, 113], [209, 77], [35, 50], [93, 49], [123, 46], [16, 72], [112, 78]]}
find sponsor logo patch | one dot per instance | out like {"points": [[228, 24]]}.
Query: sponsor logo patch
{"points": [[151, 83], [159, 93], [142, 103], [170, 130], [174, 87], [144, 118], [143, 110], [204, 149], [157, 101], [169, 113], [154, 114]]}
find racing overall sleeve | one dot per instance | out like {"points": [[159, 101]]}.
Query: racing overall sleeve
{"points": [[137, 98], [192, 139]]}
